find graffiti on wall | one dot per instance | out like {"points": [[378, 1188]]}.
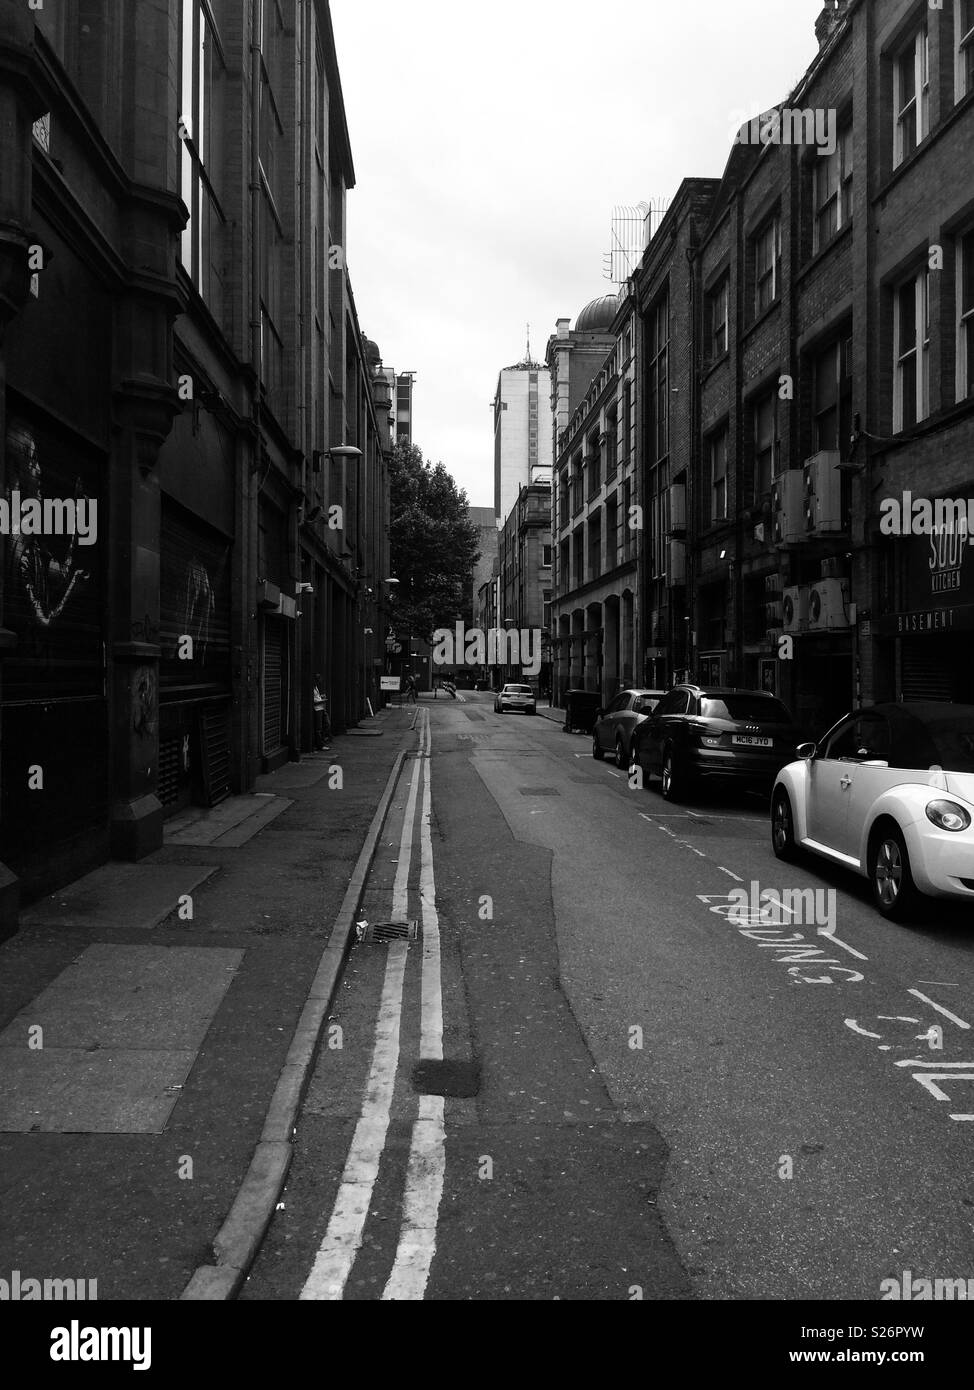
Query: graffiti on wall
{"points": [[44, 532]]}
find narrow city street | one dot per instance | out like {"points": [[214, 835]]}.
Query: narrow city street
{"points": [[584, 1081]]}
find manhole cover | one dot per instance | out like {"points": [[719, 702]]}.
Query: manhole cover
{"points": [[446, 1078], [388, 931], [539, 791]]}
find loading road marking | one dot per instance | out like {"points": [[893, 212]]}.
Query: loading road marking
{"points": [[940, 1009]]}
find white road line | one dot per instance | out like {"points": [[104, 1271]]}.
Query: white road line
{"points": [[427, 1154], [343, 1238], [864, 1032], [729, 874], [421, 1204], [431, 1036], [400, 888], [824, 931], [919, 1062], [940, 1009]]}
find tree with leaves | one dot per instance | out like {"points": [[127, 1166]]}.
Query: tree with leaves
{"points": [[433, 544]]}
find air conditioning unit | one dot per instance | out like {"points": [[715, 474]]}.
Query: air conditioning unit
{"points": [[676, 569], [828, 605], [772, 587], [832, 568], [678, 506], [823, 492], [787, 505], [794, 608], [774, 614]]}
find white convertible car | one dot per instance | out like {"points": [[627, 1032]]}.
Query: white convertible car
{"points": [[888, 792]]}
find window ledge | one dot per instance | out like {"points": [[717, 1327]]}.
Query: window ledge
{"points": [[762, 318], [714, 363], [824, 251], [958, 110]]}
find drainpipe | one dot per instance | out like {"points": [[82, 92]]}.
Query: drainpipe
{"points": [[255, 246]]}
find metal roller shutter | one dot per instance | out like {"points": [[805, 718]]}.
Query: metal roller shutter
{"points": [[927, 670], [274, 671]]}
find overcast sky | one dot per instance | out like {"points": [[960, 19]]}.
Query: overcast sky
{"points": [[492, 142]]}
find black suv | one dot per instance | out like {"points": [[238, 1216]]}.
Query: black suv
{"points": [[712, 732]]}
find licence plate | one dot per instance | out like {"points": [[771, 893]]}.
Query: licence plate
{"points": [[751, 741]]}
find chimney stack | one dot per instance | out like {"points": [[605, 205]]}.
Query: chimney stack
{"points": [[829, 20]]}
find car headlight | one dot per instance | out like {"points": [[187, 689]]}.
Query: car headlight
{"points": [[947, 815]]}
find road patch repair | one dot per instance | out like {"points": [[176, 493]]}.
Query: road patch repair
{"points": [[107, 1047]]}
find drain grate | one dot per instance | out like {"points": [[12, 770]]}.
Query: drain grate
{"points": [[375, 932]]}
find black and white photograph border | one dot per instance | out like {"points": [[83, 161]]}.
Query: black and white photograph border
{"points": [[487, 850]]}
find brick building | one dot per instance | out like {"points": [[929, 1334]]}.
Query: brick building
{"points": [[523, 575], [666, 288], [823, 367], [180, 347], [596, 485]]}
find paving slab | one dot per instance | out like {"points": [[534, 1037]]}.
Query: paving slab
{"points": [[119, 896], [296, 776], [120, 1029], [67, 1090], [146, 997], [227, 826]]}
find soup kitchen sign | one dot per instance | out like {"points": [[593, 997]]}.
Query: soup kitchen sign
{"points": [[939, 588]]}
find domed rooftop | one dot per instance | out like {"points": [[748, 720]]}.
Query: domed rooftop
{"points": [[372, 354], [597, 317]]}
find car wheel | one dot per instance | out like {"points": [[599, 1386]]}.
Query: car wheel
{"points": [[674, 779], [894, 892], [598, 752], [783, 827], [622, 761]]}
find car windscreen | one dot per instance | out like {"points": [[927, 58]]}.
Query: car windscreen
{"points": [[518, 689], [753, 709], [954, 741]]}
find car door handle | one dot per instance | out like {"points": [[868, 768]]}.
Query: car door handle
{"points": [[845, 781]]}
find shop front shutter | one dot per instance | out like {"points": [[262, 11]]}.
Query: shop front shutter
{"points": [[274, 658], [927, 671]]}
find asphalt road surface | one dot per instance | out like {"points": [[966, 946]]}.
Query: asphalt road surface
{"points": [[585, 1081]]}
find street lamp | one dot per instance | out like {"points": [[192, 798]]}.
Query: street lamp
{"points": [[340, 451]]}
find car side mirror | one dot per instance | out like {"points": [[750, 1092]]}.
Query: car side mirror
{"points": [[807, 751]]}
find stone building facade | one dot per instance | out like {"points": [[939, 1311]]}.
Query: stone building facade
{"points": [[180, 347]]}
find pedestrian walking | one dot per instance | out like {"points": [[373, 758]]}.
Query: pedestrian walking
{"points": [[409, 688], [322, 722]]}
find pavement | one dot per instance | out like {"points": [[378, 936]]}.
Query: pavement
{"points": [[158, 1022]]}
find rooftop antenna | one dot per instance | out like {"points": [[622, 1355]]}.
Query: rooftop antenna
{"points": [[528, 357]]}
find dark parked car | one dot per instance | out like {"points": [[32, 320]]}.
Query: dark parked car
{"points": [[615, 725], [702, 732]]}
